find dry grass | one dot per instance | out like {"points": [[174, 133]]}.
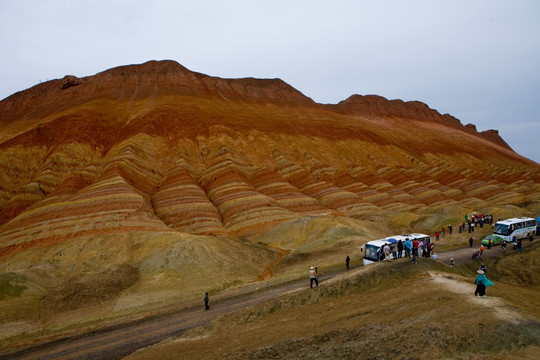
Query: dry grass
{"points": [[385, 311], [88, 281]]}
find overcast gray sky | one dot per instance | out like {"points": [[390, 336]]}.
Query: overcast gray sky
{"points": [[476, 60]]}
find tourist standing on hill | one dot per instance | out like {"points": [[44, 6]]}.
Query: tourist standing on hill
{"points": [[313, 277], [482, 282], [437, 235], [400, 248], [470, 241], [347, 261], [429, 248], [206, 301], [414, 250], [386, 250], [519, 246], [408, 247], [481, 249]]}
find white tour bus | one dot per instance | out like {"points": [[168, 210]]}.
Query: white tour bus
{"points": [[373, 250], [518, 228]]}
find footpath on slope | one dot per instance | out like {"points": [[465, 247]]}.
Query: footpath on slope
{"points": [[118, 341]]}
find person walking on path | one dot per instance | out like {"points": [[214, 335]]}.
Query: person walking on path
{"points": [[470, 241], [481, 249], [519, 246], [449, 229], [482, 282], [347, 261], [313, 277], [206, 301]]}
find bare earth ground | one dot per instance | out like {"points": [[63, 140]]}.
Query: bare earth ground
{"points": [[287, 319]]}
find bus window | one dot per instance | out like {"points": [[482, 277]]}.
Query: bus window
{"points": [[371, 252], [501, 229]]}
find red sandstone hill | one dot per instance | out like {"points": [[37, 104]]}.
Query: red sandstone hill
{"points": [[131, 189], [151, 79], [378, 106], [203, 154]]}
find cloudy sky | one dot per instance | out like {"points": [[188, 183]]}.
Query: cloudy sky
{"points": [[476, 60]]}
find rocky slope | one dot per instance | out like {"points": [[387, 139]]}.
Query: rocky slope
{"points": [[180, 175]]}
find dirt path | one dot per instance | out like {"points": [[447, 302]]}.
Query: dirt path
{"points": [[461, 286], [118, 341], [465, 254]]}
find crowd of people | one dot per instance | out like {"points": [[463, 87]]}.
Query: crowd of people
{"points": [[414, 248]]}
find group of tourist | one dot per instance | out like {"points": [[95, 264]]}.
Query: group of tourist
{"points": [[474, 221], [408, 248], [414, 248], [469, 223]]}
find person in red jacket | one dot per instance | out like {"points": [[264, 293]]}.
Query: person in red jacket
{"points": [[414, 251]]}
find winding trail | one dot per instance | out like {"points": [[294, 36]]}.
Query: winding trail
{"points": [[116, 342]]}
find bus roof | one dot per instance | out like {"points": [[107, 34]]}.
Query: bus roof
{"points": [[407, 236], [514, 220], [381, 242], [378, 242]]}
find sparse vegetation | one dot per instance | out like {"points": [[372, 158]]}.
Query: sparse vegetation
{"points": [[385, 311], [11, 285]]}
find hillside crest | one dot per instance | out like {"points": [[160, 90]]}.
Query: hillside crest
{"points": [[168, 77]]}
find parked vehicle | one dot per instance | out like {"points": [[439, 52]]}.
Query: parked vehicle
{"points": [[495, 240], [516, 228]]}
